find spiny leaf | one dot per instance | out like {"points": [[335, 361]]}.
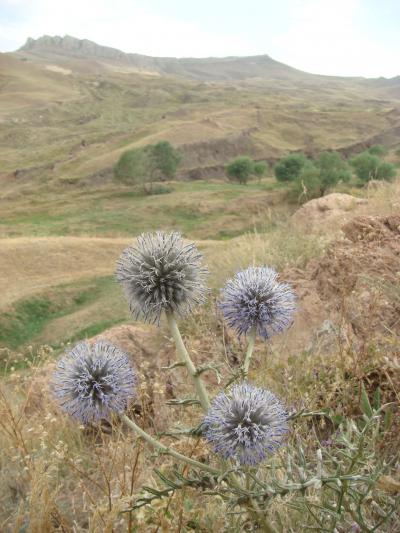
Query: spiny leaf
{"points": [[214, 369], [184, 402], [387, 423], [365, 404], [377, 399], [174, 365]]}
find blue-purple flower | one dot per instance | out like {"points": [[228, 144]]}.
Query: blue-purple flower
{"points": [[255, 300], [247, 423], [161, 273], [92, 381]]}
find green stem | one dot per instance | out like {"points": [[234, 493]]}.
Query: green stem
{"points": [[183, 354], [165, 449], [206, 468], [253, 508], [249, 353], [261, 518]]}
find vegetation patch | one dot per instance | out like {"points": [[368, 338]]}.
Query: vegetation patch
{"points": [[27, 318]]}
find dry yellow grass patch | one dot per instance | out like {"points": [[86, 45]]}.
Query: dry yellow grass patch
{"points": [[30, 265]]}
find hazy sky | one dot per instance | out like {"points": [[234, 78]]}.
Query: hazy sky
{"points": [[341, 37]]}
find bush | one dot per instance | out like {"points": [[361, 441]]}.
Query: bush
{"points": [[260, 168], [332, 169], [143, 166], [378, 149], [365, 166], [240, 169], [385, 171], [289, 167], [308, 183], [131, 166], [369, 167], [164, 159], [316, 178]]}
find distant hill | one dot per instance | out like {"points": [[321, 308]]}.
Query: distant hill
{"points": [[223, 69], [69, 108]]}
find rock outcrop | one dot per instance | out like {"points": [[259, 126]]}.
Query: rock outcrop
{"points": [[328, 212]]}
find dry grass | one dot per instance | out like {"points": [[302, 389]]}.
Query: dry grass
{"points": [[30, 266], [57, 476]]}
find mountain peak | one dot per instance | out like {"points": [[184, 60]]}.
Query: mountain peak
{"points": [[56, 48], [70, 46]]}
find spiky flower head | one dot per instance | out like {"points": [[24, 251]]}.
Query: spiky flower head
{"points": [[255, 300], [91, 381], [161, 273], [247, 424]]}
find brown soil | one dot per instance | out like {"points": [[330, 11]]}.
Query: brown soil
{"points": [[360, 275], [353, 290]]}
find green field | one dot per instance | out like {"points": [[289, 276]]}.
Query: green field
{"points": [[206, 210]]}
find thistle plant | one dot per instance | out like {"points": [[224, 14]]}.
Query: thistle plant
{"points": [[255, 303], [161, 274], [247, 423], [92, 382], [245, 428]]}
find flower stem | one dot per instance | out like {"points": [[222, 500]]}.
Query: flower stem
{"points": [[165, 449], [261, 518], [202, 466], [249, 353], [183, 354]]}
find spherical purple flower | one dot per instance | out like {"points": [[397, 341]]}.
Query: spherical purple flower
{"points": [[161, 273], [247, 424], [91, 381], [255, 300]]}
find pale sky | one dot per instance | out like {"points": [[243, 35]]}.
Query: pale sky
{"points": [[335, 37]]}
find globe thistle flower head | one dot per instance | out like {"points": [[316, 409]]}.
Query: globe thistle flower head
{"points": [[161, 273], [91, 381], [255, 300], [246, 424]]}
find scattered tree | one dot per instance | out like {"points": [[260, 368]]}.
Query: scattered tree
{"points": [[317, 177], [289, 167], [365, 165], [143, 166], [240, 169]]}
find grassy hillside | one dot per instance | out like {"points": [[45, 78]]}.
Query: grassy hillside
{"points": [[56, 249], [70, 121], [57, 282], [207, 210]]}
